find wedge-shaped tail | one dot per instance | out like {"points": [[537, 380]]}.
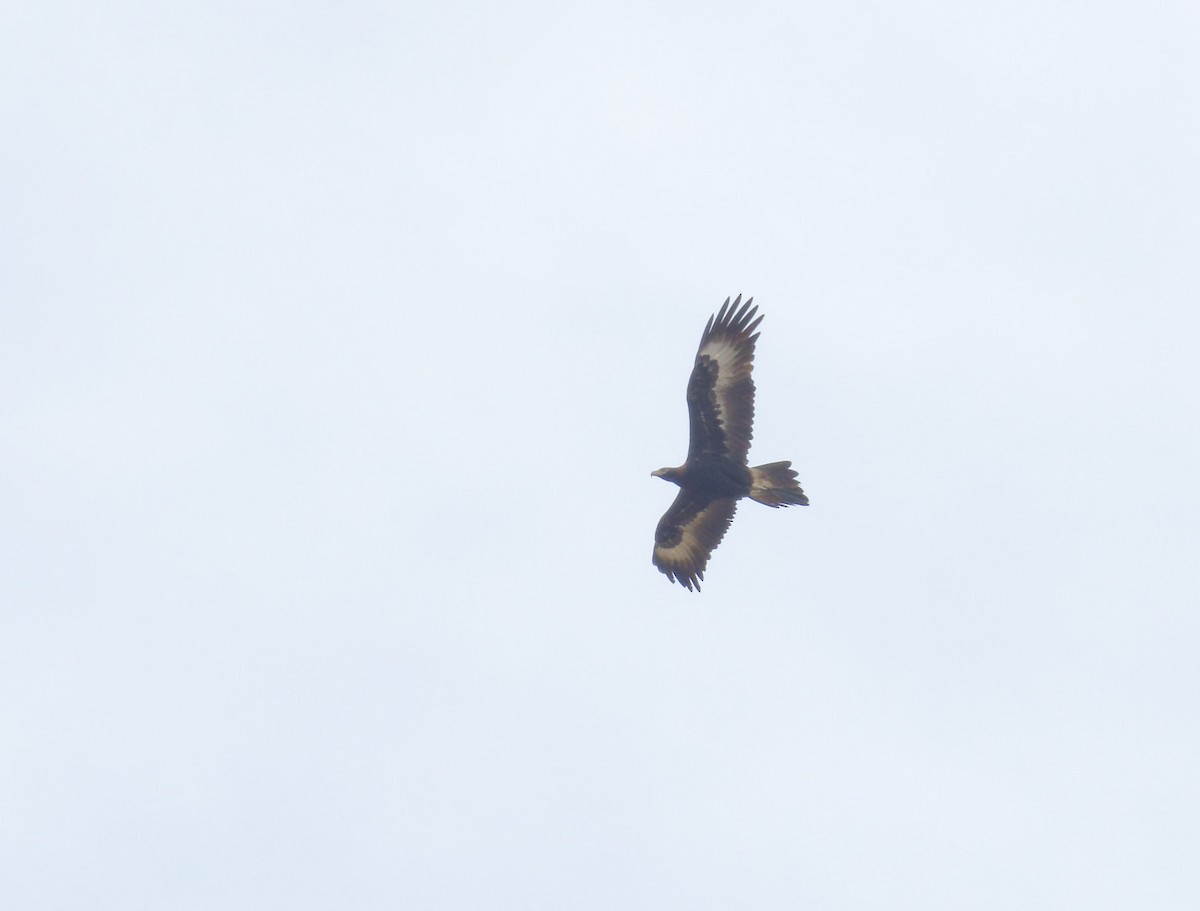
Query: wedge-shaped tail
{"points": [[775, 484]]}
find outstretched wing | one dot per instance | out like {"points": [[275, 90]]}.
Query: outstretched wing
{"points": [[688, 534], [720, 392]]}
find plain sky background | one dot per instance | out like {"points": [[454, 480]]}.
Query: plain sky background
{"points": [[337, 343]]}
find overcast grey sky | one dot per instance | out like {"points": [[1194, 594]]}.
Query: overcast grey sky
{"points": [[337, 343]]}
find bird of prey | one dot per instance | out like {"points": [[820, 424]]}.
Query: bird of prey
{"points": [[720, 397]]}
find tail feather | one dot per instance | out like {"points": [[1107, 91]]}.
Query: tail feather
{"points": [[775, 484]]}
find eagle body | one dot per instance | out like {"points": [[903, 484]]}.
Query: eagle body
{"points": [[720, 397], [710, 475]]}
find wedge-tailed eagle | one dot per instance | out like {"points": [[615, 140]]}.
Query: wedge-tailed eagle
{"points": [[720, 397]]}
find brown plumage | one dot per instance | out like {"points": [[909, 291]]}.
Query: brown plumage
{"points": [[716, 475]]}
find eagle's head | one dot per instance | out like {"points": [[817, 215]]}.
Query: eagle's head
{"points": [[674, 475]]}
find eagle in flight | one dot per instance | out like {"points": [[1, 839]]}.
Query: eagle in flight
{"points": [[720, 397]]}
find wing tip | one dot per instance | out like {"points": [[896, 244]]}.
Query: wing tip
{"points": [[689, 579], [734, 317]]}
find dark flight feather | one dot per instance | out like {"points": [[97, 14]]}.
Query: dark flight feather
{"points": [[720, 397]]}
